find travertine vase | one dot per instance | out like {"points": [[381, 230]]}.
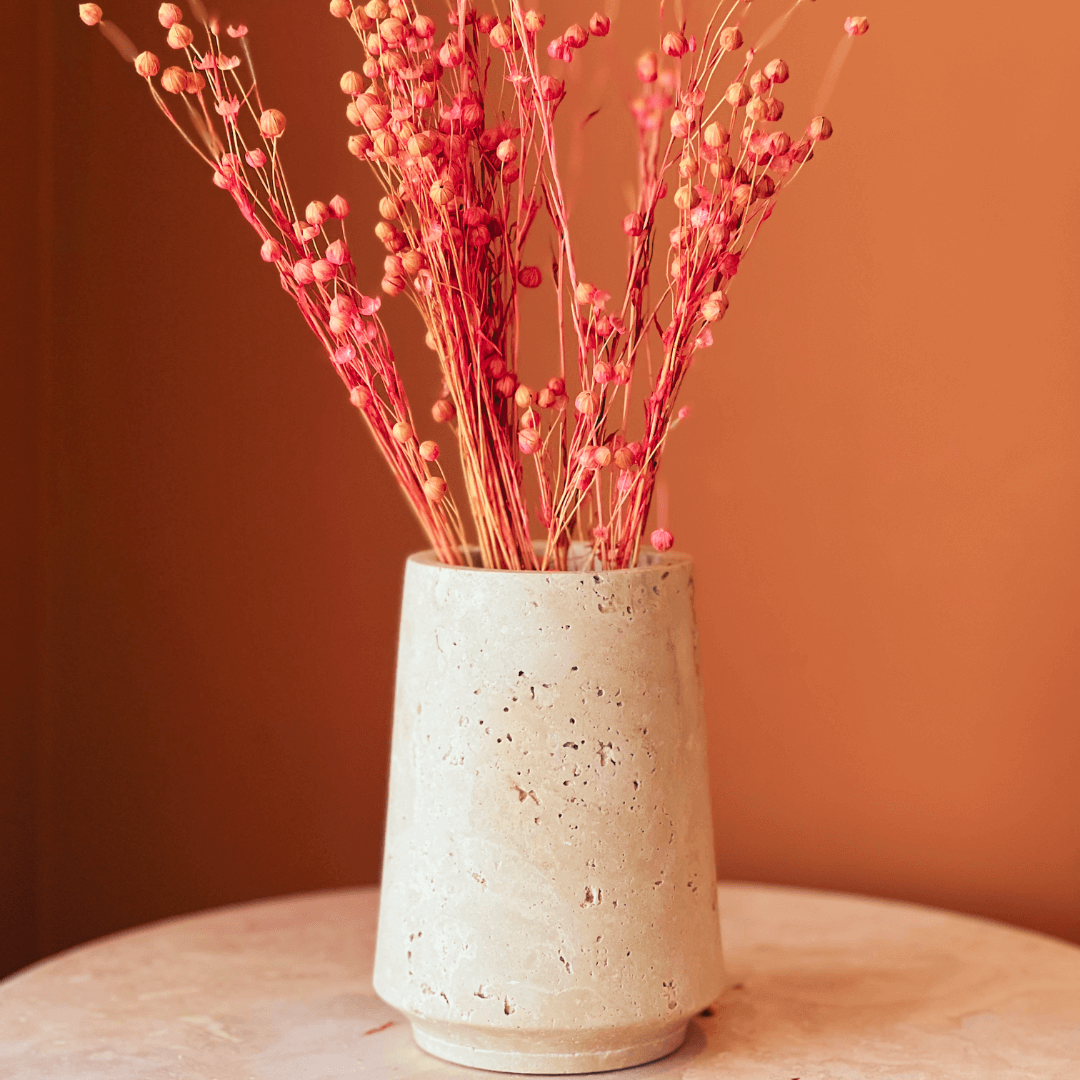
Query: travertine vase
{"points": [[548, 900]]}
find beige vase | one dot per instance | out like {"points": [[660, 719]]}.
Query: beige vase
{"points": [[548, 900]]}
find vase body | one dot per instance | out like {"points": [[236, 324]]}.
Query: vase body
{"points": [[548, 899]]}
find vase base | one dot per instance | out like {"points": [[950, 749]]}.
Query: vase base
{"points": [[517, 1056]]}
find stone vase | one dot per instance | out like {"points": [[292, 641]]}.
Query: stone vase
{"points": [[548, 897]]}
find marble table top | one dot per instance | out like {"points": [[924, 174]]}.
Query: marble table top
{"points": [[824, 987]]}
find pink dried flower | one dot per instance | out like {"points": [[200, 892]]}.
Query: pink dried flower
{"points": [[429, 450], [443, 411], [599, 25], [646, 68], [777, 71], [856, 25], [730, 38], [576, 36], [272, 123], [169, 14], [237, 31], [147, 64], [819, 130], [340, 9], [662, 540], [180, 36], [339, 207], [90, 14], [675, 44], [174, 80], [530, 277]]}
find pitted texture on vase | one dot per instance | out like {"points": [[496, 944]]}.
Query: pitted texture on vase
{"points": [[549, 845]]}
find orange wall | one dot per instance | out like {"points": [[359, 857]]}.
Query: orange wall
{"points": [[879, 484]]}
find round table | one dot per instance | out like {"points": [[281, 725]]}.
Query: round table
{"points": [[823, 987]]}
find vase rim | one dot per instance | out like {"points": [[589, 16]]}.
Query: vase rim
{"points": [[648, 560]]}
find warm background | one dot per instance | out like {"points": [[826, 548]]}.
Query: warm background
{"points": [[880, 485]]}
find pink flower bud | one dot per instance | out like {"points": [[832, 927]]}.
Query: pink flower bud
{"points": [[534, 22], [756, 109], [324, 270], [662, 540], [551, 89], [340, 9], [502, 37], [528, 440], [435, 489], [195, 82], [442, 192], [90, 14], [450, 54], [523, 396], [429, 450], [360, 396], [352, 82], [168, 15], [759, 82], [603, 372], [730, 39], [180, 36], [386, 145], [271, 122], [317, 212], [857, 25], [237, 31], [545, 399], [271, 251], [424, 27], [557, 386], [255, 158], [674, 44], [337, 253], [392, 31], [147, 64], [714, 306], [646, 68], [402, 432], [339, 208], [623, 458], [529, 277], [587, 402], [443, 411], [601, 457], [599, 25], [174, 79], [506, 385], [342, 305], [633, 224], [777, 71], [506, 151], [576, 36], [360, 145], [738, 94], [680, 126], [393, 284], [302, 271], [819, 130], [412, 262], [584, 292]]}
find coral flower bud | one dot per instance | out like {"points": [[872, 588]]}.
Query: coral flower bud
{"points": [[390, 206], [506, 151], [599, 25], [317, 212], [584, 292], [716, 136], [352, 82], [759, 82], [435, 489], [576, 37], [623, 458], [338, 253], [506, 385], [714, 306], [180, 36], [392, 31], [340, 9], [393, 284], [324, 270], [603, 372], [303, 272], [662, 540], [174, 79], [502, 37], [195, 82], [530, 276], [730, 39], [557, 386], [486, 23], [423, 27], [551, 89], [674, 44], [819, 130], [686, 197], [339, 207], [90, 14], [271, 251], [646, 68], [147, 64], [857, 25], [403, 432], [359, 145], [528, 440], [756, 109], [386, 144], [443, 411], [376, 9], [777, 71], [534, 22], [633, 224], [450, 54], [412, 262], [255, 158], [587, 402], [524, 397], [738, 94], [169, 14], [272, 123], [429, 450], [360, 396], [442, 192], [680, 126], [601, 457], [723, 167], [774, 109], [545, 399], [622, 373]]}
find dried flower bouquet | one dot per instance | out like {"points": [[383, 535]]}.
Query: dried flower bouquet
{"points": [[460, 131]]}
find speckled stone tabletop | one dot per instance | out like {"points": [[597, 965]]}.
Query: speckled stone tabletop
{"points": [[823, 987]]}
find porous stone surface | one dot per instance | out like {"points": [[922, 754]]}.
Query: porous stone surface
{"points": [[547, 900]]}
